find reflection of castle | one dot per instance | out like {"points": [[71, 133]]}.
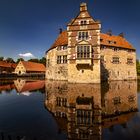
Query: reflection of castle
{"points": [[88, 108], [24, 86]]}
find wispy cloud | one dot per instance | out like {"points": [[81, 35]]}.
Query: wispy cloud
{"points": [[26, 54]]}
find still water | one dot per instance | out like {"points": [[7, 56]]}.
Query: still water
{"points": [[46, 110]]}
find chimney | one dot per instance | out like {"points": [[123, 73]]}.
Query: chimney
{"points": [[60, 30], [109, 32], [121, 35], [83, 7]]}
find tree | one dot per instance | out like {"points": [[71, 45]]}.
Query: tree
{"points": [[19, 59], [43, 61], [1, 58], [138, 67], [34, 60], [10, 60]]}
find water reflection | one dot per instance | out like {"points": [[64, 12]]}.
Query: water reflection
{"points": [[83, 111], [25, 86]]}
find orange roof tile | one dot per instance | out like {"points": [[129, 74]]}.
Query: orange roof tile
{"points": [[119, 41], [116, 41], [34, 85], [7, 65], [61, 40], [32, 66]]}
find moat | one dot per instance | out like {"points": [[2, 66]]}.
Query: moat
{"points": [[41, 110]]}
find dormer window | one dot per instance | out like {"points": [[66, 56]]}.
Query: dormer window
{"points": [[83, 35]]}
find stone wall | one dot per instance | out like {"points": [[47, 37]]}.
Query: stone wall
{"points": [[56, 71], [121, 70]]}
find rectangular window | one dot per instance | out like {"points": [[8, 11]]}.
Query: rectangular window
{"points": [[83, 51], [64, 47], [83, 35], [116, 60], [117, 100], [129, 61], [58, 59], [62, 59]]}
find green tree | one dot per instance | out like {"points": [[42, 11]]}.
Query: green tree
{"points": [[1, 58], [34, 60], [138, 67], [10, 60], [43, 61], [19, 59]]}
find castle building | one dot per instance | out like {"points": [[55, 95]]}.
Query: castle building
{"points": [[82, 54]]}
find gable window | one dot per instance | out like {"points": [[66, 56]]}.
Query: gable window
{"points": [[83, 35], [115, 60], [83, 22], [83, 51]]}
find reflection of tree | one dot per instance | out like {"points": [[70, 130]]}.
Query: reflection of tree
{"points": [[139, 86]]}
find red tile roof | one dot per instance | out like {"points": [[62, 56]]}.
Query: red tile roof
{"points": [[61, 40], [32, 66], [117, 41], [7, 65]]}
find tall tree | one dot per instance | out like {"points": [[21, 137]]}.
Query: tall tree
{"points": [[43, 61], [19, 59], [138, 67], [1, 58], [34, 60], [10, 60]]}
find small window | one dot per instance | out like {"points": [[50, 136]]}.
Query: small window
{"points": [[117, 100], [131, 98], [83, 22], [115, 60], [58, 59], [64, 47], [129, 60], [115, 49], [103, 47]]}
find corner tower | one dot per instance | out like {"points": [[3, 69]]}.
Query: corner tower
{"points": [[84, 48]]}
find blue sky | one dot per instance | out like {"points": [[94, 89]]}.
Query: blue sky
{"points": [[31, 26]]}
